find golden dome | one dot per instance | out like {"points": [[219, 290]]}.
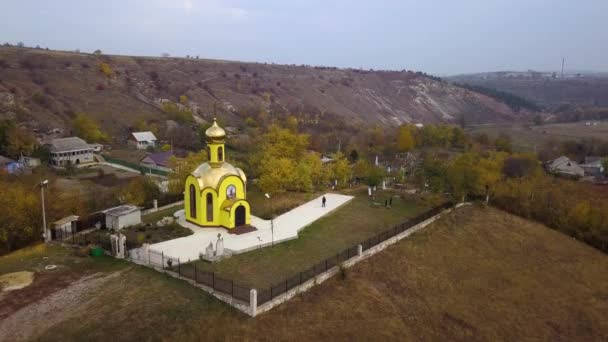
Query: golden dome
{"points": [[215, 132], [209, 176]]}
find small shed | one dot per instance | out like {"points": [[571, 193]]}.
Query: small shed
{"points": [[122, 216], [66, 224]]}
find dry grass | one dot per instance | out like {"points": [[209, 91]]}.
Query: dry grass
{"points": [[478, 274]]}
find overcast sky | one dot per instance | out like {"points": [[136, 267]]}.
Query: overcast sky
{"points": [[435, 36]]}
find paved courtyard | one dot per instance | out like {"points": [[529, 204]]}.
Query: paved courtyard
{"points": [[286, 227]]}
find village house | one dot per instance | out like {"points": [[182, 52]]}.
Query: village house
{"points": [[566, 167], [157, 161], [72, 150], [142, 140]]}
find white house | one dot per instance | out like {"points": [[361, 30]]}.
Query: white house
{"points": [[142, 140], [72, 150], [566, 167], [122, 216]]}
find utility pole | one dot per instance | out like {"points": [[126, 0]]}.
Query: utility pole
{"points": [[47, 234], [271, 218], [563, 62]]}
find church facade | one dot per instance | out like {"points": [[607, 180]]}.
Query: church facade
{"points": [[215, 193]]}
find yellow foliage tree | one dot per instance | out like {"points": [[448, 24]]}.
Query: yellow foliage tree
{"points": [[20, 219], [88, 129], [405, 139], [182, 167], [105, 69], [183, 99], [341, 171]]}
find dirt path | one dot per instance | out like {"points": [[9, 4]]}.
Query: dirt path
{"points": [[32, 320]]}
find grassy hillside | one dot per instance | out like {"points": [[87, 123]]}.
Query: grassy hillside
{"points": [[478, 274], [47, 88]]}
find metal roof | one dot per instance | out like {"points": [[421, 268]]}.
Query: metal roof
{"points": [[68, 144], [158, 158], [144, 136], [65, 220]]}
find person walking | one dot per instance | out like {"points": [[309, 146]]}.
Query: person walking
{"points": [[323, 200]]}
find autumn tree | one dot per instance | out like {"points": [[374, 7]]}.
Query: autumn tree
{"points": [[278, 143], [20, 220], [503, 143], [341, 171], [88, 129], [105, 69], [15, 140], [139, 191], [405, 140], [182, 167]]}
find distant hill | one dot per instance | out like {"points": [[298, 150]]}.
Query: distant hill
{"points": [[47, 89], [547, 89]]}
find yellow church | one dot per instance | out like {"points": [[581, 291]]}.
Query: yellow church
{"points": [[215, 192]]}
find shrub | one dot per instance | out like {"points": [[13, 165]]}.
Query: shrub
{"points": [[105, 69], [41, 100]]}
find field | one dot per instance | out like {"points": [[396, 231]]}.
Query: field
{"points": [[477, 274], [529, 137]]}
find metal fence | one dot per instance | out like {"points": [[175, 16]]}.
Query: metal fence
{"points": [[241, 292], [140, 168], [265, 295], [84, 239], [210, 279]]}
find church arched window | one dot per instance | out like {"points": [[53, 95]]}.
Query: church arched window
{"points": [[209, 207], [220, 153], [192, 201]]}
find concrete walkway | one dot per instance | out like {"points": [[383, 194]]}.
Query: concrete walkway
{"points": [[286, 227]]}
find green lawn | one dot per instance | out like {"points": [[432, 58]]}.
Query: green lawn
{"points": [[281, 202], [157, 216], [349, 225]]}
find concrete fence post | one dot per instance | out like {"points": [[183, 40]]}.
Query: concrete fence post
{"points": [[359, 250], [146, 250], [155, 205], [253, 302]]}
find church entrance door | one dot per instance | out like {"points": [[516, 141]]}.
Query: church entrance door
{"points": [[239, 219]]}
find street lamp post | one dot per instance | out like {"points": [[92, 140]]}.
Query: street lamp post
{"points": [[47, 234], [271, 219]]}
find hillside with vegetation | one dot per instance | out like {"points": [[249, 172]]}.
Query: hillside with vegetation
{"points": [[47, 89], [477, 274]]}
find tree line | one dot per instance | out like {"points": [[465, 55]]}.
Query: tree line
{"points": [[516, 183]]}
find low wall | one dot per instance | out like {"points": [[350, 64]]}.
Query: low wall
{"points": [[348, 263], [251, 308], [153, 210]]}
